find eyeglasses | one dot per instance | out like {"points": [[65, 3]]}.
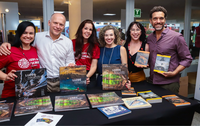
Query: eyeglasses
{"points": [[135, 30]]}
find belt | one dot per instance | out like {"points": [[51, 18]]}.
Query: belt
{"points": [[53, 79]]}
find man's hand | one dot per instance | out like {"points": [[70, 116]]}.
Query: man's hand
{"points": [[5, 49], [168, 74], [71, 64]]}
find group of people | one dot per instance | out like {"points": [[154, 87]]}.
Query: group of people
{"points": [[52, 50]]}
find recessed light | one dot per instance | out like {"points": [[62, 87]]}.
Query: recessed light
{"points": [[7, 10], [59, 12], [109, 14]]}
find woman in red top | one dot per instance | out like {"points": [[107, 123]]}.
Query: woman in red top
{"points": [[86, 49], [23, 57]]}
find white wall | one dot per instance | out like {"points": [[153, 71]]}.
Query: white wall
{"points": [[12, 17]]}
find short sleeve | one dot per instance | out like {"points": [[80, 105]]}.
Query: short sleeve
{"points": [[96, 52], [4, 61]]}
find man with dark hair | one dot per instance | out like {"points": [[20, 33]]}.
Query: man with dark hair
{"points": [[166, 42]]}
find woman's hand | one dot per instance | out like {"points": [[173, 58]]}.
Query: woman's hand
{"points": [[87, 80], [11, 76], [128, 84]]}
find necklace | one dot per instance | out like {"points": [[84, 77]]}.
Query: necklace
{"points": [[110, 55], [129, 55]]}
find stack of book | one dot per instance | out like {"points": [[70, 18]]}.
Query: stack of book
{"points": [[71, 102], [6, 111], [31, 83], [114, 76], [33, 105], [142, 58], [104, 99], [177, 101], [114, 111], [150, 96], [162, 63], [136, 103], [73, 79], [129, 92]]}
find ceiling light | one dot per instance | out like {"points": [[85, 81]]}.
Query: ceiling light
{"points": [[109, 14], [7, 10], [59, 12]]}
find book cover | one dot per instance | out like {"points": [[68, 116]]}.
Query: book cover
{"points": [[33, 105], [162, 63], [31, 83], [114, 111], [177, 101], [6, 111], [73, 79], [136, 103], [142, 58], [104, 99], [131, 91], [43, 119], [71, 102], [150, 96], [114, 76]]}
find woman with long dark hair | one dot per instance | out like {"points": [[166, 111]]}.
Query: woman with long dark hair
{"points": [[86, 49], [136, 40], [23, 56]]}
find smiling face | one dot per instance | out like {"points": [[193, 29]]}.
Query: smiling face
{"points": [[158, 20], [135, 32], [57, 25], [109, 37], [28, 36], [87, 30]]}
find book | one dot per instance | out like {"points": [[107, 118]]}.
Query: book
{"points": [[177, 101], [162, 63], [150, 96], [104, 99], [114, 76], [136, 103], [114, 111], [142, 58], [33, 105], [131, 91], [31, 83], [43, 119], [73, 79], [71, 102], [6, 111]]}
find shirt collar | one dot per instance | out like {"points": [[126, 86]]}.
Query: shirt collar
{"points": [[163, 32], [48, 35]]}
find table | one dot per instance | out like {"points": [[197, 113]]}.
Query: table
{"points": [[159, 114]]}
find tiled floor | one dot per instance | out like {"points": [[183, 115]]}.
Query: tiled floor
{"points": [[196, 119]]}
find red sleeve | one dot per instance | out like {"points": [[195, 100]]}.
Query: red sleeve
{"points": [[4, 61], [74, 44], [96, 52]]}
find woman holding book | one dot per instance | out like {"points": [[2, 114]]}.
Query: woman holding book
{"points": [[136, 40], [23, 57], [110, 51], [86, 49]]}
